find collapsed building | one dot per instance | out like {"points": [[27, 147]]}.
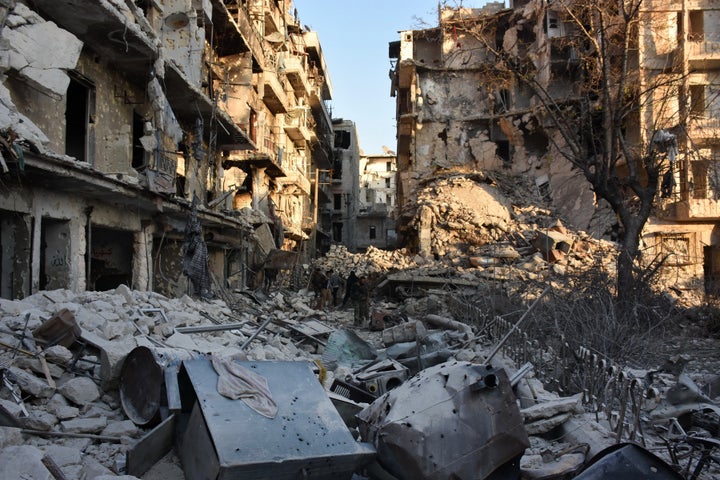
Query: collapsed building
{"points": [[456, 115], [143, 140]]}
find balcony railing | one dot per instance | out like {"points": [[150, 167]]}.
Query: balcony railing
{"points": [[704, 46], [705, 125]]}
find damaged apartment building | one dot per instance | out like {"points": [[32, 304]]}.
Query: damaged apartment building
{"points": [[455, 116], [146, 139], [362, 206]]}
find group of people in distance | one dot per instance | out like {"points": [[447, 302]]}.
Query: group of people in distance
{"points": [[327, 285]]}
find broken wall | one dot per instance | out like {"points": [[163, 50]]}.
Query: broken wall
{"points": [[168, 275]]}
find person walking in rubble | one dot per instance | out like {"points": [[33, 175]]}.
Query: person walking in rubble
{"points": [[333, 287], [350, 285], [361, 302], [318, 281]]}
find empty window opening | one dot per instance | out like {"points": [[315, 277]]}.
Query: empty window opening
{"points": [[697, 26], [697, 100], [337, 229], [342, 139], [337, 201], [139, 159], [387, 182], [372, 234], [110, 259], [79, 117], [503, 150]]}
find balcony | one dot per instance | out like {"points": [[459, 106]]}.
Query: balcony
{"points": [[234, 33], [705, 209], [274, 93], [266, 156], [268, 13], [296, 178], [704, 52], [296, 72], [296, 126]]}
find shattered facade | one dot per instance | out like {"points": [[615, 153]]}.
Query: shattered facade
{"points": [[116, 117], [455, 116], [344, 188], [377, 201]]}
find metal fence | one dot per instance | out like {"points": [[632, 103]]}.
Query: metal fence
{"points": [[607, 388]]}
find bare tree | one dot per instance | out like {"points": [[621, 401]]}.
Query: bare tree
{"points": [[578, 60]]}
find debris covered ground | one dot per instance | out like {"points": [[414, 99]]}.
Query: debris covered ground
{"points": [[70, 409]]}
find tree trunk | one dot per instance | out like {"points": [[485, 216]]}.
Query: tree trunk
{"points": [[626, 276]]}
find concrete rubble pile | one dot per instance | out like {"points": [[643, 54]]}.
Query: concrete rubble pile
{"points": [[372, 262], [476, 233], [70, 417]]}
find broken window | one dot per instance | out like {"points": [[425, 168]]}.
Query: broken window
{"points": [[79, 118], [111, 254], [342, 139], [387, 182], [337, 201], [697, 100], [676, 249], [553, 26], [337, 231], [388, 166], [697, 26], [698, 184], [372, 233], [139, 159]]}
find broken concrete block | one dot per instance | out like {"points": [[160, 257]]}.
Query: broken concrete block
{"points": [[80, 390], [536, 466], [41, 52], [555, 407], [10, 436], [29, 383], [23, 461], [91, 468], [40, 420], [124, 428], [62, 455], [58, 406], [84, 425], [545, 425], [58, 354], [548, 240]]}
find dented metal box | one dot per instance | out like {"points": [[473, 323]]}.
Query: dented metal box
{"points": [[224, 439]]}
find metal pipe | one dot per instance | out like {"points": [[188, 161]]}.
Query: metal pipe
{"points": [[252, 337]]}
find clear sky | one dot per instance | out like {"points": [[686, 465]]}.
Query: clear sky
{"points": [[354, 36]]}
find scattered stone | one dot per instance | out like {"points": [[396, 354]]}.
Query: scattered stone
{"points": [[80, 390], [30, 384], [84, 425]]}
